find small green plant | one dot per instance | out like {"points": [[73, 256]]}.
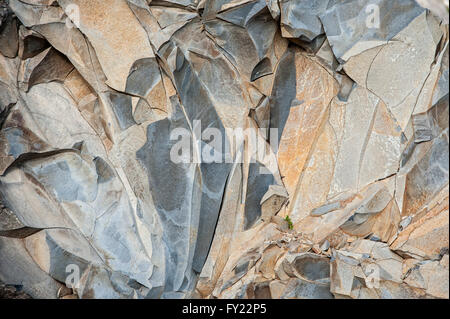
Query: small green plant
{"points": [[289, 221]]}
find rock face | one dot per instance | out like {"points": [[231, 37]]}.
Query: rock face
{"points": [[223, 149]]}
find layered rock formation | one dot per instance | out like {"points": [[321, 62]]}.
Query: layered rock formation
{"points": [[348, 99]]}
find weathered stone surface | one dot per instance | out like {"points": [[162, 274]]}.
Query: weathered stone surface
{"points": [[300, 97], [427, 235], [366, 264], [300, 289], [432, 276], [307, 266], [378, 215], [350, 24], [12, 292], [272, 201], [9, 37], [223, 149], [18, 269], [300, 19]]}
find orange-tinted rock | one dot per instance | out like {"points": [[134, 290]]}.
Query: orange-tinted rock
{"points": [[315, 88]]}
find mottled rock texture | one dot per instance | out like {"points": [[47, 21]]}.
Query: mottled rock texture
{"points": [[349, 201]]}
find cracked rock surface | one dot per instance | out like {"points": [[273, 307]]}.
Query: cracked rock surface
{"points": [[349, 201]]}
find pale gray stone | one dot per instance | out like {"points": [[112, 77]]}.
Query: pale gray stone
{"points": [[91, 91]]}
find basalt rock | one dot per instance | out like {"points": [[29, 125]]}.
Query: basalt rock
{"points": [[223, 149]]}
